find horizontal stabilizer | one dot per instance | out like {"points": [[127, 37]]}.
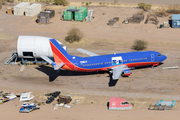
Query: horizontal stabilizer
{"points": [[87, 52], [58, 66], [46, 59]]}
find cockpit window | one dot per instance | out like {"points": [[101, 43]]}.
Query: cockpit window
{"points": [[159, 55]]}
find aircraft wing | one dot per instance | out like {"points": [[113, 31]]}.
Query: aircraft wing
{"points": [[117, 71], [87, 52], [55, 65]]}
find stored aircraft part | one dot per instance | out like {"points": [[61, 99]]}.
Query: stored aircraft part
{"points": [[87, 52], [48, 60], [119, 104], [89, 16], [26, 96], [33, 10], [64, 99], [176, 67], [34, 47], [162, 105], [151, 18], [28, 107], [117, 71], [20, 8], [112, 21]]}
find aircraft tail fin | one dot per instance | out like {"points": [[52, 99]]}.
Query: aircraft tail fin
{"points": [[60, 55]]}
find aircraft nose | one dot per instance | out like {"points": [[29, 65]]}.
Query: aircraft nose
{"points": [[163, 57]]}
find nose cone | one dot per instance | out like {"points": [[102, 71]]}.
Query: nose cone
{"points": [[163, 57]]}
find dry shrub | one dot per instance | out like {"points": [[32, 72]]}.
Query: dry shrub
{"points": [[140, 12], [139, 45], [162, 12], [173, 9], [74, 35]]}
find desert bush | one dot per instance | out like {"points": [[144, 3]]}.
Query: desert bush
{"points": [[90, 2], [141, 5], [140, 12], [162, 12], [139, 45], [61, 2], [104, 3], [82, 3], [107, 3], [100, 3], [87, 3], [173, 9], [147, 7], [74, 35], [144, 6]]}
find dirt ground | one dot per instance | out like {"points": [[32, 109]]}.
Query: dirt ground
{"points": [[143, 87]]}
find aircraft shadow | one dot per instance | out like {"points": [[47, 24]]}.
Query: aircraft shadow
{"points": [[54, 74]]}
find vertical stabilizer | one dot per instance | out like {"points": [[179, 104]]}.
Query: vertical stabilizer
{"points": [[60, 55]]}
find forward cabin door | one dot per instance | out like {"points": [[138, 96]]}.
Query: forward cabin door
{"points": [[152, 57]]}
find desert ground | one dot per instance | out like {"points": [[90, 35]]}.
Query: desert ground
{"points": [[143, 87]]}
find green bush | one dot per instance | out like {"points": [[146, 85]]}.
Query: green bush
{"points": [[90, 2], [61, 2], [82, 3], [139, 45], [147, 7], [87, 3], [104, 3], [144, 6], [100, 3], [141, 5], [107, 3], [74, 35]]}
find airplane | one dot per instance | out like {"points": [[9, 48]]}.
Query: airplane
{"points": [[116, 64]]}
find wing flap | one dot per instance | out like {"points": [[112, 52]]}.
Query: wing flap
{"points": [[87, 52]]}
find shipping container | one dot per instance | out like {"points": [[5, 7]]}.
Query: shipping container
{"points": [[69, 15], [33, 9], [81, 14], [176, 23], [51, 12], [20, 8], [175, 16], [9, 10]]}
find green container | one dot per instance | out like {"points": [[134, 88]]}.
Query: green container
{"points": [[81, 14], [68, 15]]}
